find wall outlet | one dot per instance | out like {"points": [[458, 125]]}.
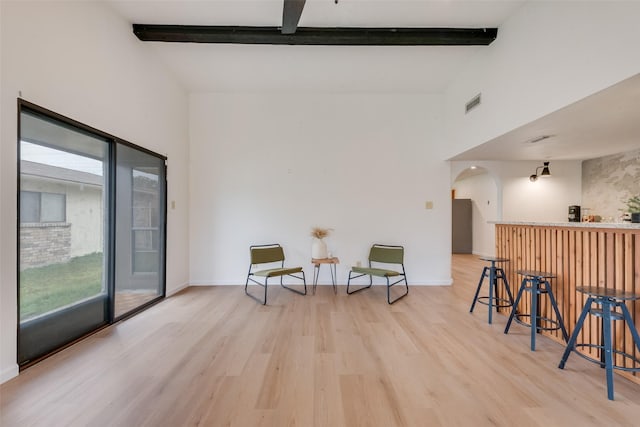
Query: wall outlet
{"points": [[358, 263], [428, 204]]}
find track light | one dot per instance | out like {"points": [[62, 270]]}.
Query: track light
{"points": [[545, 172]]}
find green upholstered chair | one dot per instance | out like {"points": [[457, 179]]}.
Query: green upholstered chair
{"points": [[262, 255], [382, 256]]}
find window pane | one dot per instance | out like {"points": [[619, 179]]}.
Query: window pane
{"points": [[143, 240], [145, 262], [62, 278], [140, 213], [52, 207], [29, 206], [60, 264]]}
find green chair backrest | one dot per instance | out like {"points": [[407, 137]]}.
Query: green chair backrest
{"points": [[387, 254], [266, 253]]}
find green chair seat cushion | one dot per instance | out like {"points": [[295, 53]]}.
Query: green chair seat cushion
{"points": [[273, 272], [380, 272]]}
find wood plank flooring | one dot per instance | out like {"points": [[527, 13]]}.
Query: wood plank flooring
{"points": [[211, 356]]}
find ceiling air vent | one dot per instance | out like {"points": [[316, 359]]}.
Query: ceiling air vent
{"points": [[475, 101]]}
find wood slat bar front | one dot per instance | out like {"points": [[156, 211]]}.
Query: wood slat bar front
{"points": [[578, 256]]}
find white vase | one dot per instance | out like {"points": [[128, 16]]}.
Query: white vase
{"points": [[318, 249]]}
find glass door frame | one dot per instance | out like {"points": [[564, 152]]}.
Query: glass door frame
{"points": [[110, 222], [112, 238]]}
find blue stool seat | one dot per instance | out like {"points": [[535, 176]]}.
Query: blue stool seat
{"points": [[536, 283], [492, 300], [610, 300]]}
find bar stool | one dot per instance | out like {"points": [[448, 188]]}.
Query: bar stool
{"points": [[536, 282], [608, 299], [492, 300]]}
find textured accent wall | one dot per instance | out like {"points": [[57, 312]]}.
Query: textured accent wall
{"points": [[608, 181]]}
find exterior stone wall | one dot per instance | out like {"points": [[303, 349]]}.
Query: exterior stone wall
{"points": [[44, 244]]}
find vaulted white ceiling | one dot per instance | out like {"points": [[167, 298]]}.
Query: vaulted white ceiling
{"points": [[578, 131], [322, 13], [264, 68]]}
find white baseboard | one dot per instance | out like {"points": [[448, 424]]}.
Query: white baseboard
{"points": [[444, 282], [482, 255], [210, 283], [178, 289], [447, 282], [8, 373]]}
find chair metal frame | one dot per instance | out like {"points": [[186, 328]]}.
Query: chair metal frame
{"points": [[382, 254], [268, 254]]}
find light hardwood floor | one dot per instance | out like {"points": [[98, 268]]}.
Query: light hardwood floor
{"points": [[211, 356]]}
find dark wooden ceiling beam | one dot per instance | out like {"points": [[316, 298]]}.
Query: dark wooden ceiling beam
{"points": [[317, 36], [291, 12]]}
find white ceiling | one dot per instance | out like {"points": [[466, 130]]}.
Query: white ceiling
{"points": [[251, 68], [322, 13], [605, 123]]}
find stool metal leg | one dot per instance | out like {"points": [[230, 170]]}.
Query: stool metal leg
{"points": [[492, 288], [494, 301], [608, 357], [501, 275], [515, 305], [535, 291], [574, 336], [565, 336], [475, 297], [630, 324]]}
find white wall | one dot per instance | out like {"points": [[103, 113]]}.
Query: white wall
{"points": [[546, 56], [267, 167], [483, 192], [81, 60], [547, 199]]}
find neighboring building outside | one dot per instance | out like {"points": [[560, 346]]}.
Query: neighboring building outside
{"points": [[61, 209]]}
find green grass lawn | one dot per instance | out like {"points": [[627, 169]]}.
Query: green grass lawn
{"points": [[43, 289]]}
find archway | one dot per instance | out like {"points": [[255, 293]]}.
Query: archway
{"points": [[479, 185]]}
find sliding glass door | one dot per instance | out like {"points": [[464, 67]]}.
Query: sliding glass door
{"points": [[64, 182], [91, 230], [140, 213]]}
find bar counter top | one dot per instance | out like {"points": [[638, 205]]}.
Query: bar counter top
{"points": [[619, 225]]}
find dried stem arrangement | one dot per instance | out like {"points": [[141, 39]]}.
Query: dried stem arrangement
{"points": [[320, 233]]}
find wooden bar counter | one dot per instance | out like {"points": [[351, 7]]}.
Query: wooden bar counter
{"points": [[580, 254]]}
